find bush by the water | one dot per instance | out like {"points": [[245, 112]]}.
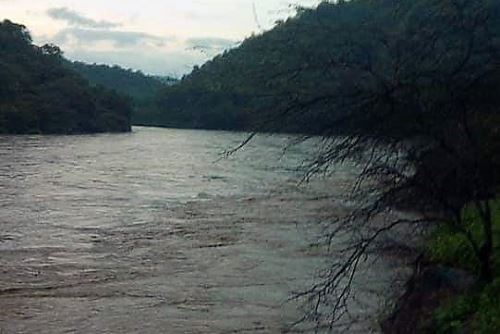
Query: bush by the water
{"points": [[477, 310]]}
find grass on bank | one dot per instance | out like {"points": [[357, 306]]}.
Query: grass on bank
{"points": [[478, 310]]}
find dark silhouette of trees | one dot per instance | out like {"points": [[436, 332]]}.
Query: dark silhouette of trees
{"points": [[40, 95], [141, 88]]}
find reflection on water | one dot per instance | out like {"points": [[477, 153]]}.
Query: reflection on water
{"points": [[151, 232]]}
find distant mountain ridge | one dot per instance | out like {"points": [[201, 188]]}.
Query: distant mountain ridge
{"points": [[129, 82]]}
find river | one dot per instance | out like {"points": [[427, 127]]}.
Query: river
{"points": [[152, 232]]}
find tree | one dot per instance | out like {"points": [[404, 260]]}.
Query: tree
{"points": [[412, 97], [419, 99], [51, 50]]}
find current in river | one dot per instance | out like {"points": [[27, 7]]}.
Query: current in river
{"points": [[157, 231]]}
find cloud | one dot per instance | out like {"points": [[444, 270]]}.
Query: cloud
{"points": [[210, 43], [74, 18], [118, 38]]}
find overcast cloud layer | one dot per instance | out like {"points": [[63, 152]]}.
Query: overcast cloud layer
{"points": [[166, 37]]}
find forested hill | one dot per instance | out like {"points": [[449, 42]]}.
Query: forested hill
{"points": [[38, 94], [141, 88], [293, 69], [251, 85]]}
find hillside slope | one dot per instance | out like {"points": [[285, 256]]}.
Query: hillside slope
{"points": [[135, 84], [294, 77], [251, 86], [38, 94], [141, 88]]}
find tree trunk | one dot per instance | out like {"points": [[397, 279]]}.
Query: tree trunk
{"points": [[486, 251]]}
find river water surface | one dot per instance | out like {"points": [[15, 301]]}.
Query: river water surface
{"points": [[151, 232]]}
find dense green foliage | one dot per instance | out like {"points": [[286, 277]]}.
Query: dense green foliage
{"points": [[450, 247], [477, 310], [140, 87], [40, 95]]}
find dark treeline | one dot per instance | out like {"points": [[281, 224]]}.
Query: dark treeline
{"points": [[141, 88], [38, 94]]}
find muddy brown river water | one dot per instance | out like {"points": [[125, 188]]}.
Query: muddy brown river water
{"points": [[150, 232]]}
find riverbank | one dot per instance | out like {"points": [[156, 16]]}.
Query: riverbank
{"points": [[444, 294], [429, 288]]}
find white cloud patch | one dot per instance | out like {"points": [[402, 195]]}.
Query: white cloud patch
{"points": [[74, 18], [118, 38]]}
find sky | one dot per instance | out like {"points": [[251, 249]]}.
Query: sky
{"points": [[161, 37]]}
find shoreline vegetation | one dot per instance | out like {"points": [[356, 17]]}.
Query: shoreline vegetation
{"points": [[444, 293]]}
